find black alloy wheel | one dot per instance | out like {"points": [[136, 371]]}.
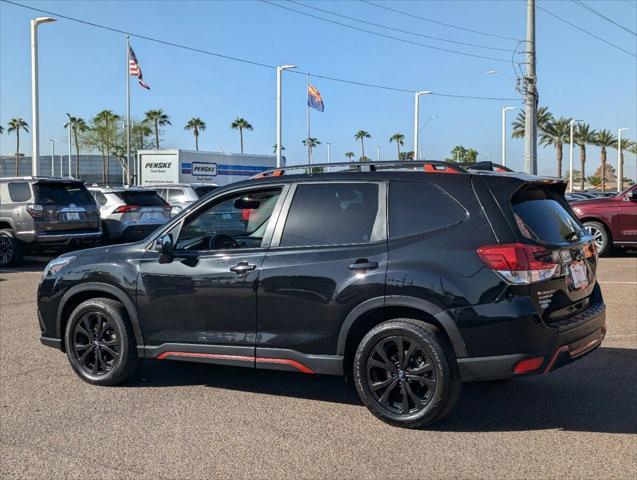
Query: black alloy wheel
{"points": [[400, 375], [96, 343], [10, 253]]}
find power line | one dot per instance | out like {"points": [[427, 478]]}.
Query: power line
{"points": [[378, 34], [508, 50], [586, 31], [242, 60], [437, 22], [599, 14]]}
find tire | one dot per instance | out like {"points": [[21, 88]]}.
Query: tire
{"points": [[428, 377], [601, 237], [100, 344], [10, 249]]}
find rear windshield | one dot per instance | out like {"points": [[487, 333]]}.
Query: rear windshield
{"points": [[540, 216], [143, 199], [202, 190], [49, 193]]}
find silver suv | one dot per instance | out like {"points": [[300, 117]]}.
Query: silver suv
{"points": [[40, 213], [129, 214], [180, 195]]}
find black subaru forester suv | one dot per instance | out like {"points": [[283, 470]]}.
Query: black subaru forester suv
{"points": [[410, 281]]}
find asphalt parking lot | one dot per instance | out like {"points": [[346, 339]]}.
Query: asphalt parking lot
{"points": [[180, 420]]}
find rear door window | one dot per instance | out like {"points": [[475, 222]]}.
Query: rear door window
{"points": [[19, 191], [540, 216], [49, 193], [142, 198], [333, 214], [417, 207]]}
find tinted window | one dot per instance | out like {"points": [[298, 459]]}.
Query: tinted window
{"points": [[19, 191], [238, 221], [203, 189], [142, 198], [540, 216], [63, 194], [332, 214], [416, 207]]}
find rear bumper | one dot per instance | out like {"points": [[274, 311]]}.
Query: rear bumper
{"points": [[570, 343]]}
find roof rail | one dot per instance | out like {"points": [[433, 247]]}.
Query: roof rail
{"points": [[487, 166], [431, 166]]}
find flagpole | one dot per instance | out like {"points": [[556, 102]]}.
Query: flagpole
{"points": [[128, 179], [309, 148]]}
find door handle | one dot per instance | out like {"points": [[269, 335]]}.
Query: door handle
{"points": [[242, 268], [363, 264]]}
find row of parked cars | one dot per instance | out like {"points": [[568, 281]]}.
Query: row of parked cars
{"points": [[40, 214]]}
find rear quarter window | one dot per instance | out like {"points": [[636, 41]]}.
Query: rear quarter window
{"points": [[19, 191], [417, 207]]}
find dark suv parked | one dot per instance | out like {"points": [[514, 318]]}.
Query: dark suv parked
{"points": [[39, 213], [409, 282]]}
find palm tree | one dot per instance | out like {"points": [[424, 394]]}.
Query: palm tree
{"points": [[310, 143], [274, 148], [362, 135], [197, 125], [556, 133], [139, 132], [158, 119], [626, 145], [1, 129], [603, 140], [106, 129], [349, 156], [240, 124], [15, 125], [77, 125], [584, 135], [399, 138], [543, 117]]}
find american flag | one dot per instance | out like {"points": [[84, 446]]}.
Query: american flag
{"points": [[134, 69]]}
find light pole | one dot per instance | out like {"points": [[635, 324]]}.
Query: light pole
{"points": [[378, 153], [35, 109], [69, 152], [279, 82], [417, 96], [620, 167], [52, 156], [504, 134], [329, 152], [570, 155]]}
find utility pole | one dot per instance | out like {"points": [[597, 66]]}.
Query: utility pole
{"points": [[620, 165], [504, 134], [279, 113], [530, 94]]}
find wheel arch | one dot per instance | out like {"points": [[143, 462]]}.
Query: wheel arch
{"points": [[79, 293], [376, 310], [5, 225]]}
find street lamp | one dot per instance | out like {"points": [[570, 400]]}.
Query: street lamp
{"points": [[52, 156], [416, 119], [620, 166], [504, 133], [570, 155], [279, 81], [35, 110]]}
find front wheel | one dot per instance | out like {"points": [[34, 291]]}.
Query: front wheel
{"points": [[406, 373], [600, 235], [99, 342]]}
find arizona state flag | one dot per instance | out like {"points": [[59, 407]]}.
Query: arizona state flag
{"points": [[314, 99]]}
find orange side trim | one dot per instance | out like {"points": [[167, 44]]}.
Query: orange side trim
{"points": [[241, 358], [284, 361]]}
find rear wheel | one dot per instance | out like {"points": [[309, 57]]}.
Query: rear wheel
{"points": [[100, 344], [406, 373], [600, 236], [10, 251]]}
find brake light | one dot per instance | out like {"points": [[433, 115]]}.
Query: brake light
{"points": [[35, 210], [126, 209], [518, 263]]}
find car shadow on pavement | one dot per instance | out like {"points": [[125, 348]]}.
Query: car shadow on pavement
{"points": [[595, 394], [29, 264]]}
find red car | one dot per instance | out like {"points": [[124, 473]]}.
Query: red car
{"points": [[612, 220]]}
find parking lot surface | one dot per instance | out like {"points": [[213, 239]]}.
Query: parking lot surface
{"points": [[180, 420]]}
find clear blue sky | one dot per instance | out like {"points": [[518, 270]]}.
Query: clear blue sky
{"points": [[82, 72]]}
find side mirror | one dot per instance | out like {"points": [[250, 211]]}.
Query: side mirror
{"points": [[164, 244]]}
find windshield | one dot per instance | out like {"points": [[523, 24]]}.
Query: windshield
{"points": [[49, 193], [541, 216]]}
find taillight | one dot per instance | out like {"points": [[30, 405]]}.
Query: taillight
{"points": [[126, 209], [35, 210], [518, 263]]}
